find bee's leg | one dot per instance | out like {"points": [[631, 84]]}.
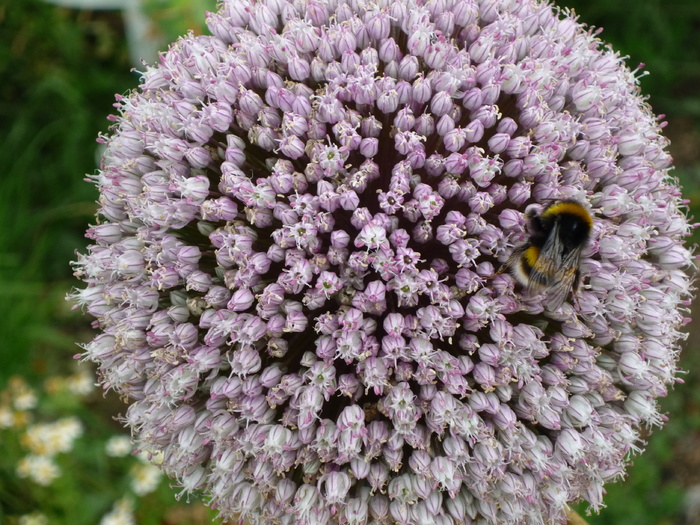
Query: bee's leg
{"points": [[575, 289], [576, 303], [503, 269], [514, 256]]}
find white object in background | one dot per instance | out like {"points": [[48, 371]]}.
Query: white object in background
{"points": [[143, 39]]}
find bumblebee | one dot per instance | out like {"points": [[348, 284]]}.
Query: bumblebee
{"points": [[548, 261]]}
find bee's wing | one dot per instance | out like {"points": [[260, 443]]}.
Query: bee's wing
{"points": [[560, 290], [548, 263], [564, 279], [553, 271]]}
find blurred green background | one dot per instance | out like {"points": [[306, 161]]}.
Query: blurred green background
{"points": [[59, 71]]}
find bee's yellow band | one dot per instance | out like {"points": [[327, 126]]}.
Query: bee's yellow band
{"points": [[530, 255], [571, 208]]}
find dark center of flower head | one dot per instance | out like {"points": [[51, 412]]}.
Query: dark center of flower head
{"points": [[296, 273]]}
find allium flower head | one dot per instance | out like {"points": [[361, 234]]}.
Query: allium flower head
{"points": [[295, 271]]}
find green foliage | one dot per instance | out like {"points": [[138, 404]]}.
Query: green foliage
{"points": [[60, 72], [176, 17]]}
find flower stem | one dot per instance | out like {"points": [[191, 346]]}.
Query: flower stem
{"points": [[572, 518]]}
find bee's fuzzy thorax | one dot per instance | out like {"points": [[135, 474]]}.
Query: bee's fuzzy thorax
{"points": [[569, 207]]}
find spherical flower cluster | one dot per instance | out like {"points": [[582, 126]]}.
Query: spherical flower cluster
{"points": [[295, 274]]}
